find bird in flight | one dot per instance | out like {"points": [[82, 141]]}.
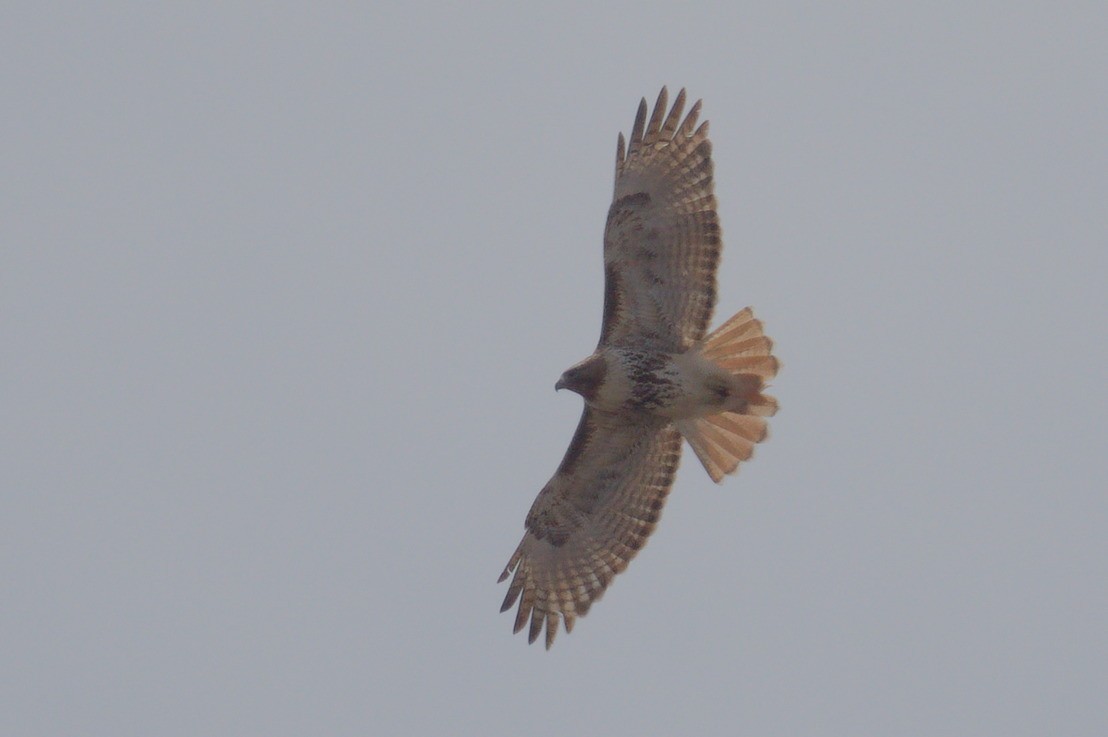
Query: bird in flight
{"points": [[654, 378]]}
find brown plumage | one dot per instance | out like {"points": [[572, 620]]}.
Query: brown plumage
{"points": [[653, 378]]}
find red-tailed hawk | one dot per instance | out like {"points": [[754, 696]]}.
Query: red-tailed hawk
{"points": [[653, 379]]}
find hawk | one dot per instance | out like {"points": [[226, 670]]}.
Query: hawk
{"points": [[653, 379]]}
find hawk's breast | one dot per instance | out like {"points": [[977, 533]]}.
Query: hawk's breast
{"points": [[640, 381]]}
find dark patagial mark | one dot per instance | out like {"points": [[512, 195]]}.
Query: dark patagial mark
{"points": [[577, 446], [612, 302]]}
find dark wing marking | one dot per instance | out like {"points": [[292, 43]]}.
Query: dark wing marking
{"points": [[662, 240], [591, 519]]}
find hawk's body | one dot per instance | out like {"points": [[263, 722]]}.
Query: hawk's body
{"points": [[653, 378]]}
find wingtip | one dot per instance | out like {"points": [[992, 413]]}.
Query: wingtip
{"points": [[662, 101], [521, 619], [510, 598], [537, 620], [551, 628], [638, 128]]}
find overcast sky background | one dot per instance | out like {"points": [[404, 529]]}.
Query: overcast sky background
{"points": [[284, 291]]}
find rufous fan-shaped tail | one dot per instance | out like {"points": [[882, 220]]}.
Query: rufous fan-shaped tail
{"points": [[723, 440]]}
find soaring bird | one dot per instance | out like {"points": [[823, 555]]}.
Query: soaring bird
{"points": [[654, 378]]}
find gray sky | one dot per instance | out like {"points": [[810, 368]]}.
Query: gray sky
{"points": [[284, 293]]}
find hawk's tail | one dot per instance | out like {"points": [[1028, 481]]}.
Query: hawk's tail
{"points": [[723, 440]]}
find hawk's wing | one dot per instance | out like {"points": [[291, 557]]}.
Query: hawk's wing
{"points": [[662, 240], [591, 518]]}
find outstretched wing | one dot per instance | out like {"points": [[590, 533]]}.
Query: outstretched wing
{"points": [[591, 519], [662, 241]]}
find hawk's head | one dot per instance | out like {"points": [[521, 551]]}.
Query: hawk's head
{"points": [[585, 377]]}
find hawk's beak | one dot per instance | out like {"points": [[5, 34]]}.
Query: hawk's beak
{"points": [[560, 384]]}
